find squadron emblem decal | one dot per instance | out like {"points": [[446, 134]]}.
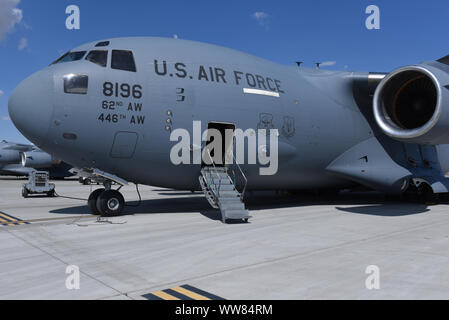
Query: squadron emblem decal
{"points": [[266, 121], [288, 128]]}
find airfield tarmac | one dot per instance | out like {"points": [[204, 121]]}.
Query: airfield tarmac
{"points": [[293, 247]]}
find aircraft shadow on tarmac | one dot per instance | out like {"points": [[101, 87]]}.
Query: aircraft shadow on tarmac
{"points": [[152, 206], [366, 204], [388, 210]]}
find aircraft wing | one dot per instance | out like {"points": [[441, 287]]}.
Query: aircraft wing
{"points": [[15, 170], [16, 146]]}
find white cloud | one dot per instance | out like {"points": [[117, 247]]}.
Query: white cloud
{"points": [[328, 63], [261, 17], [23, 44], [1, 93], [10, 15]]}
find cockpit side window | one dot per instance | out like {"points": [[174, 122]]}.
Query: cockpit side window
{"points": [[99, 57], [71, 56], [123, 60], [102, 44], [76, 83]]}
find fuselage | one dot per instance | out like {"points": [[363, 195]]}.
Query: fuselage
{"points": [[122, 121]]}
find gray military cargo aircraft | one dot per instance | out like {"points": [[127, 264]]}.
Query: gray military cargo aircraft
{"points": [[20, 159], [112, 108]]}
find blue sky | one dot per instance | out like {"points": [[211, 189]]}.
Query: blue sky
{"points": [[281, 31]]}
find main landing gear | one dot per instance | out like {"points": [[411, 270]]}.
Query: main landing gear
{"points": [[106, 202]]}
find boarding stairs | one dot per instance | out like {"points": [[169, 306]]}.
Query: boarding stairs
{"points": [[221, 192]]}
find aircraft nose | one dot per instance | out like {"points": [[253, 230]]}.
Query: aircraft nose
{"points": [[31, 106]]}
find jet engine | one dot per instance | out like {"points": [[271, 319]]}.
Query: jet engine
{"points": [[411, 104], [37, 160], [9, 156]]}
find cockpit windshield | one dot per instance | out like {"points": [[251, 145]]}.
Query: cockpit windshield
{"points": [[71, 56], [99, 57]]}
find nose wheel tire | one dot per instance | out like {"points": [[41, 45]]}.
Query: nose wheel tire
{"points": [[110, 203], [426, 194], [92, 201]]}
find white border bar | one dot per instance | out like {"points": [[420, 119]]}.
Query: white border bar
{"points": [[261, 92]]}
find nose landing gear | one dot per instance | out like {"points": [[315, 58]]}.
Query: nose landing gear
{"points": [[92, 201], [110, 203], [107, 203]]}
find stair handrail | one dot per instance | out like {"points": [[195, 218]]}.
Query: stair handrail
{"points": [[218, 176], [242, 195]]}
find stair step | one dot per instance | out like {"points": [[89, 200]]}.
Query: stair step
{"points": [[236, 214], [222, 181], [222, 193], [222, 175], [230, 200], [219, 182], [219, 173], [217, 170], [228, 194], [226, 187], [232, 206]]}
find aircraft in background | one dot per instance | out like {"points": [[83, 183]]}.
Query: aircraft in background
{"points": [[21, 159], [112, 108]]}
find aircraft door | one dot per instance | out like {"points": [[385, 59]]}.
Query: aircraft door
{"points": [[219, 145]]}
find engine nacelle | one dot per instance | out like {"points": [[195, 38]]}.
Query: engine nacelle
{"points": [[37, 160], [411, 104], [9, 156]]}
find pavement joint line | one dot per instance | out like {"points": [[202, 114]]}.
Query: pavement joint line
{"points": [[63, 262], [114, 296], [21, 258], [304, 254], [53, 219], [429, 254]]}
